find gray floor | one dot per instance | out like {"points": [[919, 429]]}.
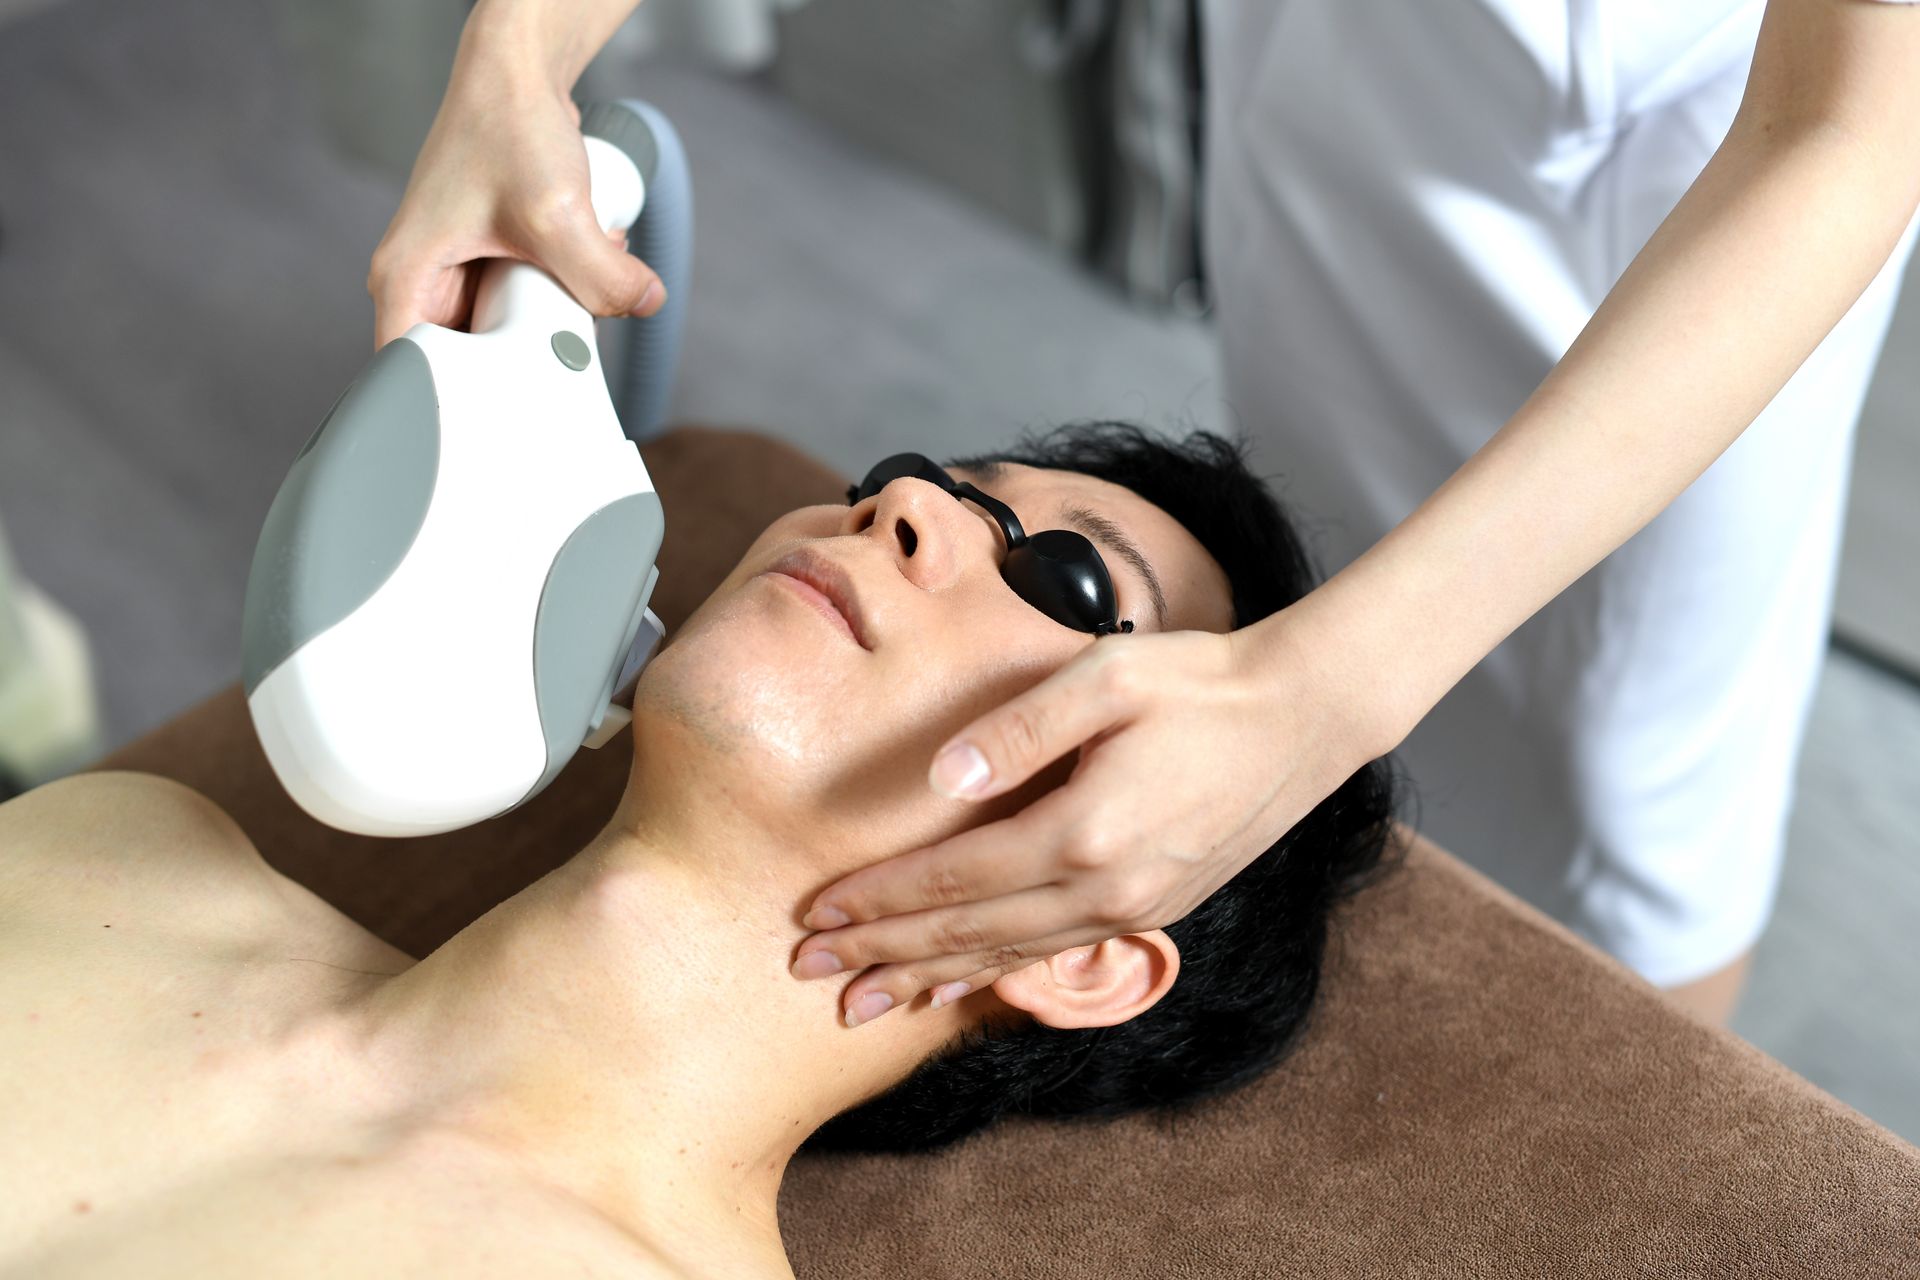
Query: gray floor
{"points": [[181, 297]]}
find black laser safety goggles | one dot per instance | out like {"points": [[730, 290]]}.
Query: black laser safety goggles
{"points": [[1057, 571]]}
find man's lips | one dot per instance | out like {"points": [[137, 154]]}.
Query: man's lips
{"points": [[828, 587]]}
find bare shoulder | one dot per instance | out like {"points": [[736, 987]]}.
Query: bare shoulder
{"points": [[74, 845], [108, 795]]}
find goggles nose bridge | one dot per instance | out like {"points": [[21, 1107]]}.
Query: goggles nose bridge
{"points": [[1010, 528], [1074, 589], [920, 467], [892, 468]]}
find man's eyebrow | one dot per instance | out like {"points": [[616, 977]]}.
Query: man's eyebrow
{"points": [[1111, 536]]}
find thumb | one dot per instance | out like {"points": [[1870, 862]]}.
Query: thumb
{"points": [[603, 276], [1012, 743]]}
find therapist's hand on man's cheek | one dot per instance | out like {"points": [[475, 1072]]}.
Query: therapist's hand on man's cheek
{"points": [[1198, 750]]}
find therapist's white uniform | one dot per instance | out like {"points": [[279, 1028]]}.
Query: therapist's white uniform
{"points": [[1413, 206]]}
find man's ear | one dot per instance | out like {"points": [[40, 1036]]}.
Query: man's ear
{"points": [[1096, 986]]}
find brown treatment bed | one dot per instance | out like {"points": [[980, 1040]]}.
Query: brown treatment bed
{"points": [[1480, 1094]]}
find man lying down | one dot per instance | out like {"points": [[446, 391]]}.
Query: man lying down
{"points": [[210, 1072]]}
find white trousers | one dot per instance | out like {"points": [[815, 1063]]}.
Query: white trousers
{"points": [[1413, 206]]}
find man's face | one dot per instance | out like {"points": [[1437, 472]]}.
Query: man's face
{"points": [[800, 722]]}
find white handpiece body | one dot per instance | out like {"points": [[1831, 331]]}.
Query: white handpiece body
{"points": [[525, 527]]}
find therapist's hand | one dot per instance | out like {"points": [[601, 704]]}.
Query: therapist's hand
{"points": [[1197, 751], [502, 174]]}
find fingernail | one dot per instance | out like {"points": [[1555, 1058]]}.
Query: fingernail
{"points": [[653, 291], [960, 771], [868, 1007], [826, 918], [817, 964], [947, 994]]}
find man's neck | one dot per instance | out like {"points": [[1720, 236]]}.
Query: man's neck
{"points": [[627, 1027]]}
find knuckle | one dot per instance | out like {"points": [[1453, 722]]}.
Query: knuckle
{"points": [[1089, 849], [941, 888], [613, 294], [1118, 678], [602, 299], [625, 295], [379, 271], [1008, 956], [907, 981], [855, 953], [547, 211], [958, 936], [1024, 733]]}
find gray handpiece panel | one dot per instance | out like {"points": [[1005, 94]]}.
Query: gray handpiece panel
{"points": [[350, 509], [589, 609]]}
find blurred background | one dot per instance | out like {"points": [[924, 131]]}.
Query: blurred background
{"points": [[919, 225]]}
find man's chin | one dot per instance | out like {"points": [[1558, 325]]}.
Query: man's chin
{"points": [[750, 680]]}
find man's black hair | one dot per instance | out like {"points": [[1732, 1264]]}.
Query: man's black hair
{"points": [[1250, 955]]}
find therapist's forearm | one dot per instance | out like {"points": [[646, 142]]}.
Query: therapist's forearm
{"points": [[544, 43], [1776, 239]]}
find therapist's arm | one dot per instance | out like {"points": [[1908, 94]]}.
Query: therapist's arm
{"points": [[1780, 234], [552, 40], [1794, 215], [503, 174]]}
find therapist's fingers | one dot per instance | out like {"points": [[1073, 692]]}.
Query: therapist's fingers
{"points": [[968, 867], [1092, 693], [951, 980], [407, 291], [1088, 697], [952, 991], [953, 977], [991, 933], [502, 174]]}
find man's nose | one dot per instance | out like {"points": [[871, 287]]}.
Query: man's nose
{"points": [[932, 536]]}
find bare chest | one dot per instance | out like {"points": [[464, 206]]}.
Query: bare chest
{"points": [[175, 1098]]}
